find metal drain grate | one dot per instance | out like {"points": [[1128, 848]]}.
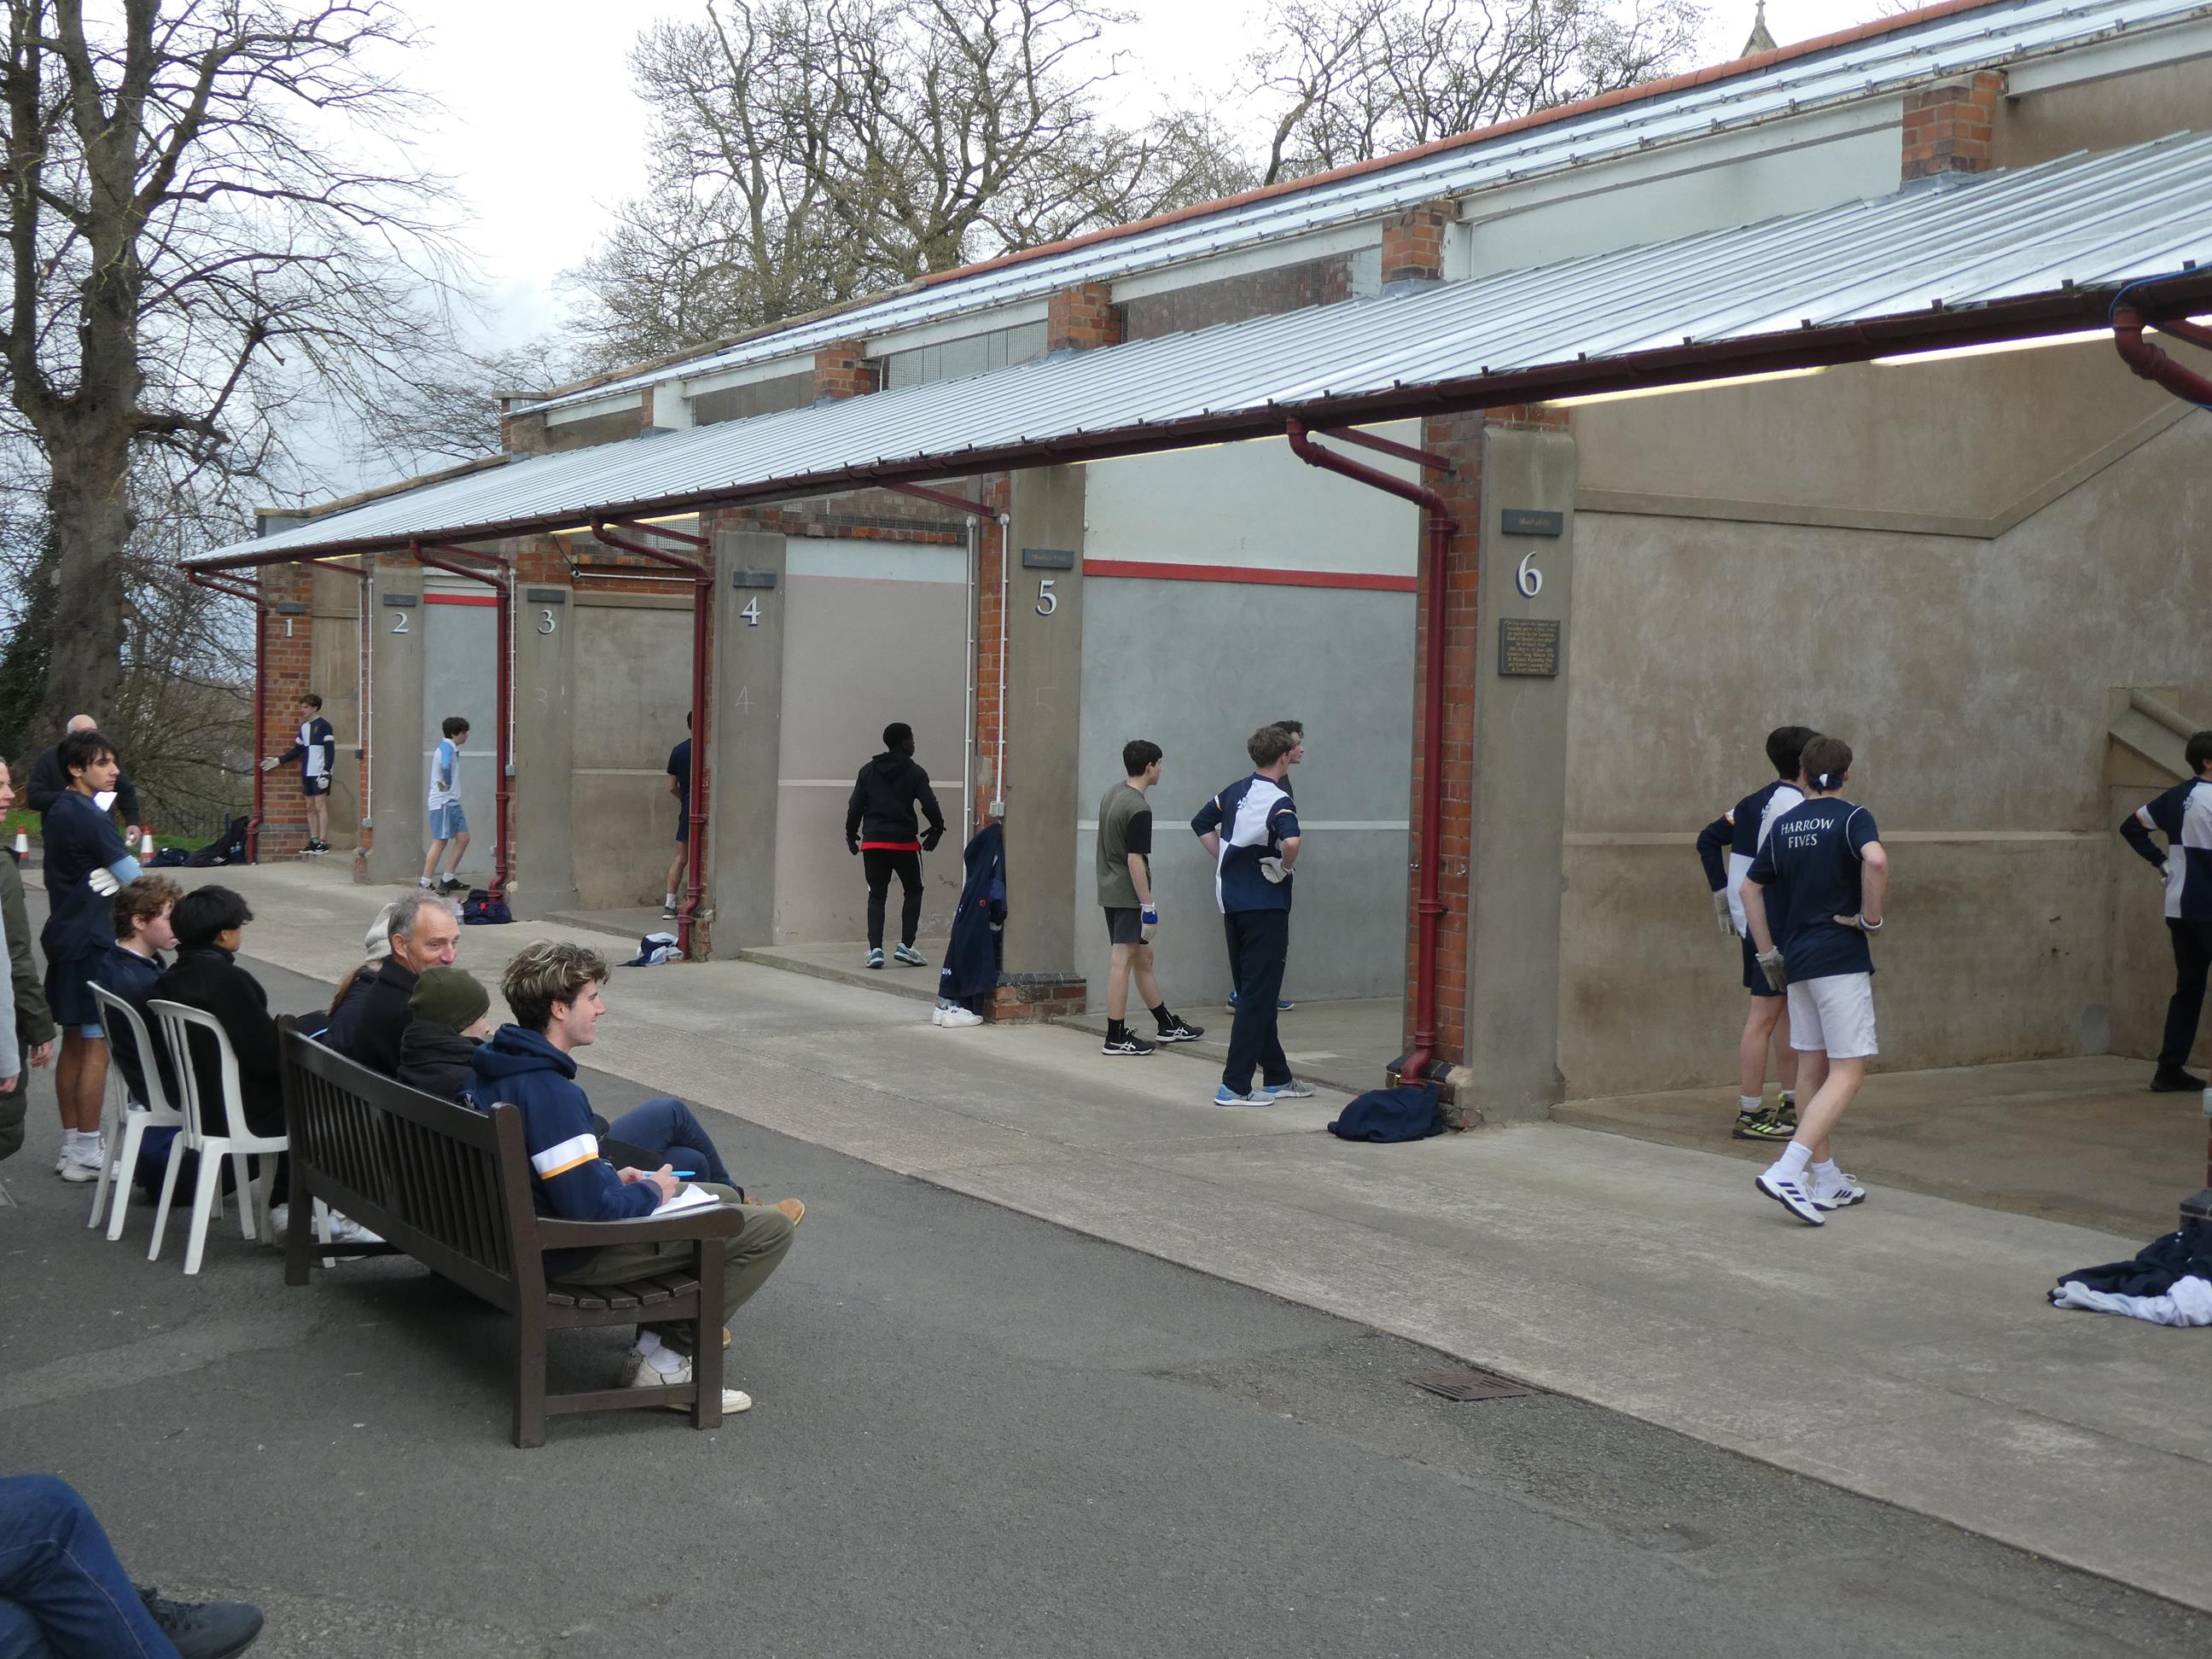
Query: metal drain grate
{"points": [[1469, 1385]]}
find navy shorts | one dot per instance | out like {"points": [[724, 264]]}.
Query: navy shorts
{"points": [[68, 994], [315, 786], [1754, 978]]}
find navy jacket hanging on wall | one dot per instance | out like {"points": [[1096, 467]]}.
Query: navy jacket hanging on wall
{"points": [[971, 960]]}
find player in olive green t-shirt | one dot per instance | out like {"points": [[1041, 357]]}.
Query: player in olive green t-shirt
{"points": [[1125, 893]]}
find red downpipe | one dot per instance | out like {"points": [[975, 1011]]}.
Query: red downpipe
{"points": [[2152, 364], [503, 586], [702, 596], [253, 596], [1442, 526]]}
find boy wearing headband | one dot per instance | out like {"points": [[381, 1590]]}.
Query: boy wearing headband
{"points": [[1812, 897]]}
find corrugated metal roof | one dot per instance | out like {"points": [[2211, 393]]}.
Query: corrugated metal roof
{"points": [[1940, 256], [1940, 48]]}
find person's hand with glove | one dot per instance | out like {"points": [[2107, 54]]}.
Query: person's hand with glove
{"points": [[1769, 963], [930, 837], [1859, 922], [852, 846], [1275, 870], [1148, 920], [269, 762], [104, 882], [1721, 911]]}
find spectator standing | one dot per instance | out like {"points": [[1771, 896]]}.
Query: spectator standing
{"points": [[1814, 895], [426, 932], [210, 923], [48, 782], [1250, 829], [554, 990], [882, 829], [27, 1018], [679, 785], [2184, 815], [85, 863], [449, 825], [317, 751], [1125, 893]]}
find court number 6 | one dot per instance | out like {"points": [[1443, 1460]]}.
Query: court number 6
{"points": [[1047, 601], [1527, 577]]}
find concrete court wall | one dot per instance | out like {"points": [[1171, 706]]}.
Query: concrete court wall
{"points": [[336, 677], [1195, 665], [1980, 551], [460, 643], [634, 688], [874, 631]]}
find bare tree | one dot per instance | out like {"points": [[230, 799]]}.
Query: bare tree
{"points": [[1355, 79], [191, 252], [805, 153]]}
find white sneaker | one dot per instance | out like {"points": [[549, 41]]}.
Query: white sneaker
{"points": [[1841, 1195], [279, 1216], [959, 1017], [344, 1230], [81, 1162], [641, 1373], [937, 1015], [1789, 1192]]}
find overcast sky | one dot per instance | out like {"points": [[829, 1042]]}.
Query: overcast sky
{"points": [[544, 133]]}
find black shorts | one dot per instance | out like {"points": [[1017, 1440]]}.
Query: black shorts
{"points": [[1124, 926], [1754, 977], [68, 993], [315, 786]]}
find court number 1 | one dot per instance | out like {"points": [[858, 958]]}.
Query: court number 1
{"points": [[751, 612], [1047, 601], [1529, 579]]}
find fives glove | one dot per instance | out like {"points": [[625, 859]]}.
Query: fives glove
{"points": [[1769, 963], [1857, 923], [268, 763], [1149, 922], [1275, 870], [931, 838], [1721, 911], [852, 846], [104, 883]]}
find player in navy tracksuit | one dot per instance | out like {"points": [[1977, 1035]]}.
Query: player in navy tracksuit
{"points": [[317, 751], [2184, 815], [1726, 847], [1813, 896]]}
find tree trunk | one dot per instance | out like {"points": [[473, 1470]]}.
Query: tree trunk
{"points": [[86, 500]]}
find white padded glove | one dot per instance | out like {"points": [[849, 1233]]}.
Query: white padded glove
{"points": [[104, 882], [1275, 870], [1721, 911], [1769, 963], [269, 764]]}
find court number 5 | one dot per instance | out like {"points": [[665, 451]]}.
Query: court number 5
{"points": [[1527, 577], [1047, 601]]}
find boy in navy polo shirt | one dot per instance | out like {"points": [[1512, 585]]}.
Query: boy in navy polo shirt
{"points": [[2184, 815], [1726, 847], [1813, 894], [317, 751], [1251, 831]]}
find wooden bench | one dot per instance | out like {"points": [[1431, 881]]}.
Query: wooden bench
{"points": [[451, 1187]]}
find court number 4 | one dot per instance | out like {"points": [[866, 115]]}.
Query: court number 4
{"points": [[1527, 577], [1047, 601], [751, 612]]}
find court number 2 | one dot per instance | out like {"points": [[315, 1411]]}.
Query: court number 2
{"points": [[751, 612], [400, 622], [1527, 577], [1047, 601]]}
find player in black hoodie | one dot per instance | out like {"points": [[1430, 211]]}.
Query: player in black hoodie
{"points": [[880, 827]]}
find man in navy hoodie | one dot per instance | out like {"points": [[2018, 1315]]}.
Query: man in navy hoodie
{"points": [[554, 990]]}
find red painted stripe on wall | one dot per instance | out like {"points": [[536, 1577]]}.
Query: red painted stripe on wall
{"points": [[460, 599], [1255, 577]]}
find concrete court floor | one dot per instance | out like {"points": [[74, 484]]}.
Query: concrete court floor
{"points": [[1903, 1351], [975, 1434]]}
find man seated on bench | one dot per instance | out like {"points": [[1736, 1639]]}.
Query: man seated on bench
{"points": [[425, 932], [554, 991]]}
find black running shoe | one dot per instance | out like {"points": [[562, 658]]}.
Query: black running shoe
{"points": [[1772, 1123], [204, 1630], [1127, 1043], [1182, 1031], [2173, 1081]]}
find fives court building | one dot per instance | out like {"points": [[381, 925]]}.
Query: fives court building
{"points": [[1539, 471]]}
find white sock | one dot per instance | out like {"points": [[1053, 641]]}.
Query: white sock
{"points": [[649, 1343], [1827, 1175], [422, 881], [1795, 1156], [1747, 1104], [668, 902]]}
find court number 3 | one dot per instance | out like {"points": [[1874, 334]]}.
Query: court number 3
{"points": [[1047, 601], [1527, 577], [545, 622]]}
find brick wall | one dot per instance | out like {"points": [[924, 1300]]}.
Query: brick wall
{"points": [[1257, 293], [1082, 317], [990, 563], [1948, 129], [1413, 241], [843, 370], [286, 646]]}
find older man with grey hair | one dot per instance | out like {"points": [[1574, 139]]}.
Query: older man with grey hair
{"points": [[49, 782], [426, 930]]}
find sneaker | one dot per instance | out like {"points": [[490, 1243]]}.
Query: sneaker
{"points": [[1292, 1090], [1223, 1097], [1182, 1031], [950, 1018], [1768, 1123], [2173, 1080], [77, 1168], [875, 959], [907, 956], [450, 884], [641, 1373], [1282, 1005], [668, 913], [1842, 1195], [790, 1206], [1127, 1043], [204, 1630], [1789, 1192], [344, 1230]]}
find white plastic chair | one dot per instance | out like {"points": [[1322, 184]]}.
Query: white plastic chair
{"points": [[124, 1121], [177, 1023]]}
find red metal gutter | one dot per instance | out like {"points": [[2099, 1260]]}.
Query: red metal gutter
{"points": [[2153, 364], [1441, 527], [702, 596], [502, 586]]}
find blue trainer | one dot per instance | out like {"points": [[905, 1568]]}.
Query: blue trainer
{"points": [[1223, 1097]]}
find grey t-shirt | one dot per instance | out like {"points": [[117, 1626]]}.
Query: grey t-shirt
{"points": [[1124, 826]]}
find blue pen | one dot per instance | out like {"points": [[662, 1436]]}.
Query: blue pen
{"points": [[684, 1174]]}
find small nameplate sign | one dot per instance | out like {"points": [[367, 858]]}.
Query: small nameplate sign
{"points": [[404, 601], [1048, 558], [752, 579], [546, 595], [1527, 521], [1528, 646]]}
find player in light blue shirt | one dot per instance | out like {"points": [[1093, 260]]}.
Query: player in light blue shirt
{"points": [[449, 826]]}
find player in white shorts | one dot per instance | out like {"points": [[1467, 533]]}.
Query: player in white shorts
{"points": [[1812, 895]]}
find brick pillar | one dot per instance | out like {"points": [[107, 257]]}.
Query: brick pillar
{"points": [[286, 665], [1948, 129], [843, 370], [1413, 242], [1082, 317]]}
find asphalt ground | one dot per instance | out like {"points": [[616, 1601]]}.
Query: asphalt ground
{"points": [[975, 1434]]}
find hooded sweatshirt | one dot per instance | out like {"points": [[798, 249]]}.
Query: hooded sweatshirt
{"points": [[568, 1178], [439, 1060], [881, 812]]}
